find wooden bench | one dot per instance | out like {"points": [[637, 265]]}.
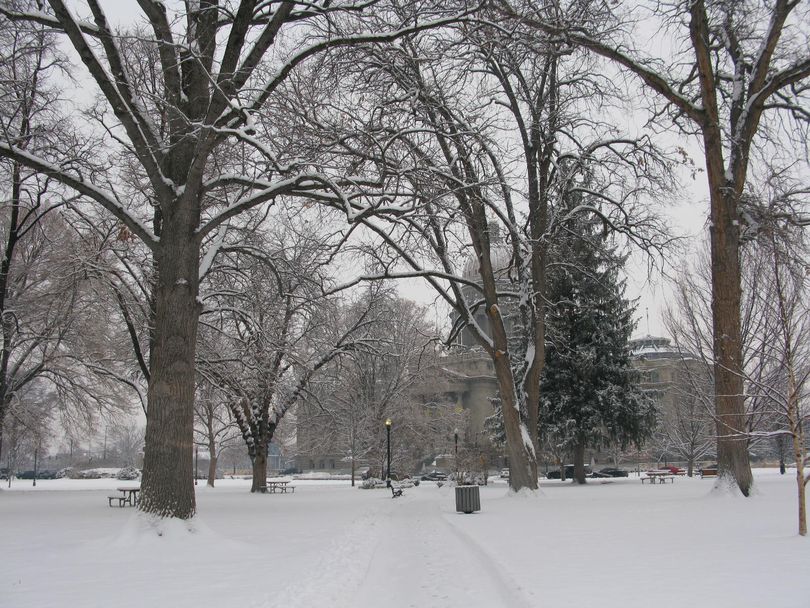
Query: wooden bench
{"points": [[395, 492], [708, 473], [122, 500]]}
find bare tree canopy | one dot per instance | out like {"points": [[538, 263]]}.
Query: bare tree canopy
{"points": [[737, 64], [221, 65]]}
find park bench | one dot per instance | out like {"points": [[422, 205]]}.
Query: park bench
{"points": [[122, 500], [708, 473], [395, 492]]}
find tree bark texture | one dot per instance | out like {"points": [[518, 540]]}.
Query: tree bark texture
{"points": [[732, 442], [794, 418], [168, 480], [259, 470], [212, 469], [579, 462]]}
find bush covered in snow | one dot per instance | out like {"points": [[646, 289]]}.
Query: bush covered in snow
{"points": [[128, 473], [371, 483], [100, 473]]}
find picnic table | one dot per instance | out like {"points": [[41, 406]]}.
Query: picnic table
{"points": [[661, 476], [127, 496], [271, 487]]}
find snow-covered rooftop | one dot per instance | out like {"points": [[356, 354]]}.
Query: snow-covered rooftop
{"points": [[653, 347]]}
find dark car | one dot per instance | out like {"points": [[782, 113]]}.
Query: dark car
{"points": [[434, 476], [39, 474], [610, 472], [569, 472]]}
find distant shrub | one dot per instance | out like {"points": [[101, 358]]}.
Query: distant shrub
{"points": [[128, 473], [371, 483]]}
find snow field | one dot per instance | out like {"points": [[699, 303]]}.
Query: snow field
{"points": [[611, 544]]}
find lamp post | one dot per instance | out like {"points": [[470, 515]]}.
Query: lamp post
{"points": [[36, 453], [388, 444], [455, 437], [196, 462]]}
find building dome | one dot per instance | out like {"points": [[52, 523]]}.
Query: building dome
{"points": [[653, 347], [501, 255]]}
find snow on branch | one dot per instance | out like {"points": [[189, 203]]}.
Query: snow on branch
{"points": [[47, 20], [81, 186], [116, 91]]}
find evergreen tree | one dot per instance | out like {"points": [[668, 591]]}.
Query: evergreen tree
{"points": [[590, 394]]}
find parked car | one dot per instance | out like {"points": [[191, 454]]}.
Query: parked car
{"points": [[569, 472], [434, 476], [505, 473], [610, 472]]}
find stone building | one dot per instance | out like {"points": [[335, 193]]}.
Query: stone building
{"points": [[685, 426]]}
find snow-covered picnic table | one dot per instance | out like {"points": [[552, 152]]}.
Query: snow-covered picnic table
{"points": [[271, 487], [128, 496], [661, 476]]}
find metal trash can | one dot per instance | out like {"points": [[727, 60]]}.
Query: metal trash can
{"points": [[468, 499]]}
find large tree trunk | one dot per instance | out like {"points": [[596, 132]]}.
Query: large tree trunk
{"points": [[259, 470], [168, 484], [579, 462], [212, 469], [519, 442], [732, 441], [522, 460]]}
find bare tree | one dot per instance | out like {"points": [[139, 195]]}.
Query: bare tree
{"points": [[428, 118], [279, 327], [127, 437], [346, 411], [220, 64], [741, 62], [27, 120], [215, 428], [782, 244]]}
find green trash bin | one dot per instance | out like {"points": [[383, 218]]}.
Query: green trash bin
{"points": [[468, 499]]}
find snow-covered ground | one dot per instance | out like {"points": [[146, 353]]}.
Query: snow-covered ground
{"points": [[616, 544]]}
